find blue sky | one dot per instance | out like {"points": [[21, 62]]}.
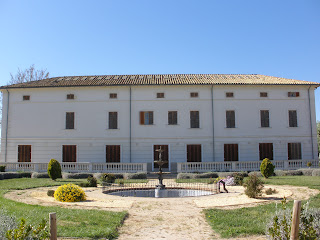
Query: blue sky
{"points": [[271, 37]]}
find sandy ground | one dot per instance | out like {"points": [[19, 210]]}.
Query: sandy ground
{"points": [[165, 218]]}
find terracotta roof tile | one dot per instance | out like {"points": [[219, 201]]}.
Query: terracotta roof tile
{"points": [[160, 79]]}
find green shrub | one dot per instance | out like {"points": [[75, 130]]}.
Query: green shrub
{"points": [[24, 231], [270, 191], [54, 169], [139, 175], [309, 164], [76, 175], [11, 175], [259, 174], [267, 168], [238, 178], [253, 186], [91, 182], [108, 178], [2, 168], [50, 193], [69, 193], [39, 175]]}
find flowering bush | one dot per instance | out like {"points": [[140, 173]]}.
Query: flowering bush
{"points": [[69, 193]]}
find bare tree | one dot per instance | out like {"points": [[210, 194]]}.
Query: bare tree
{"points": [[28, 75]]}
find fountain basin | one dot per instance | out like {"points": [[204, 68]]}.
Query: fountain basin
{"points": [[161, 193]]}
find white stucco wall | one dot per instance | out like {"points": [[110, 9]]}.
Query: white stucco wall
{"points": [[40, 122]]}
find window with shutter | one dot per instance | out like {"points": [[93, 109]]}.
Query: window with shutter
{"points": [[113, 95], [194, 153], [231, 152], [293, 122], [194, 94], [146, 118], [70, 96], [266, 150], [26, 98], [194, 119], [229, 94], [263, 94], [172, 118], [112, 153], [24, 153], [113, 120], [264, 116], [294, 151], [293, 94], [69, 153], [230, 119], [164, 155], [70, 120], [160, 95]]}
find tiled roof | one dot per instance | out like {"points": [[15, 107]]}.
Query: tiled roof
{"points": [[160, 79]]}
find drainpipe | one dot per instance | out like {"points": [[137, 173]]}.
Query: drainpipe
{"points": [[310, 117], [130, 134], [213, 152], [7, 121]]}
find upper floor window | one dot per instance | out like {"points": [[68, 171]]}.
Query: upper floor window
{"points": [[263, 94], [113, 95], [26, 98], [293, 94], [194, 119], [172, 118], [70, 96], [113, 120], [293, 121], [230, 119], [229, 94], [70, 120], [264, 117], [160, 95], [194, 94], [294, 151], [146, 118]]}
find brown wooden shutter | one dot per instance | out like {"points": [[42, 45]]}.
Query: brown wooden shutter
{"points": [[266, 151], [231, 152], [194, 119], [24, 153], [264, 115], [113, 120], [142, 118], [113, 153], [69, 153], [70, 120], [194, 153], [230, 119], [293, 118], [294, 151]]}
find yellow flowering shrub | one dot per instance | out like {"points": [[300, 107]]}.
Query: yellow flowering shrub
{"points": [[69, 193]]}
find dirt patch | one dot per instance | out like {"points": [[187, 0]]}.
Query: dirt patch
{"points": [[165, 218]]}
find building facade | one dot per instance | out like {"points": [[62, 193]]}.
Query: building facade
{"points": [[192, 118]]}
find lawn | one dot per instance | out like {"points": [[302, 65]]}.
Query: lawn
{"points": [[252, 221], [71, 222]]}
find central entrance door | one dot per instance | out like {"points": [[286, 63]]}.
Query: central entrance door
{"points": [[164, 156]]}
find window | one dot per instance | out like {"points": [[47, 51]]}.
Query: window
{"points": [[194, 119], [230, 119], [293, 122], [231, 152], [164, 155], [113, 120], [26, 98], [264, 117], [172, 118], [263, 94], [70, 96], [70, 120], [113, 95], [294, 151], [266, 151], [293, 94], [24, 153], [194, 94], [112, 153], [194, 153], [160, 95], [146, 118], [69, 153], [229, 94]]}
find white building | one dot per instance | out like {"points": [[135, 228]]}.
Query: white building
{"points": [[202, 122]]}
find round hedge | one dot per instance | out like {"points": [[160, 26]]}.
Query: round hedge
{"points": [[69, 193], [267, 168]]}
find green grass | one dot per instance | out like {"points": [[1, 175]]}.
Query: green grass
{"points": [[71, 222], [252, 221]]}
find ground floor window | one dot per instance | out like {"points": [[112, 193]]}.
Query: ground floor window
{"points": [[69, 153], [194, 153], [24, 153], [266, 151], [231, 152], [164, 155], [112, 153], [294, 151]]}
